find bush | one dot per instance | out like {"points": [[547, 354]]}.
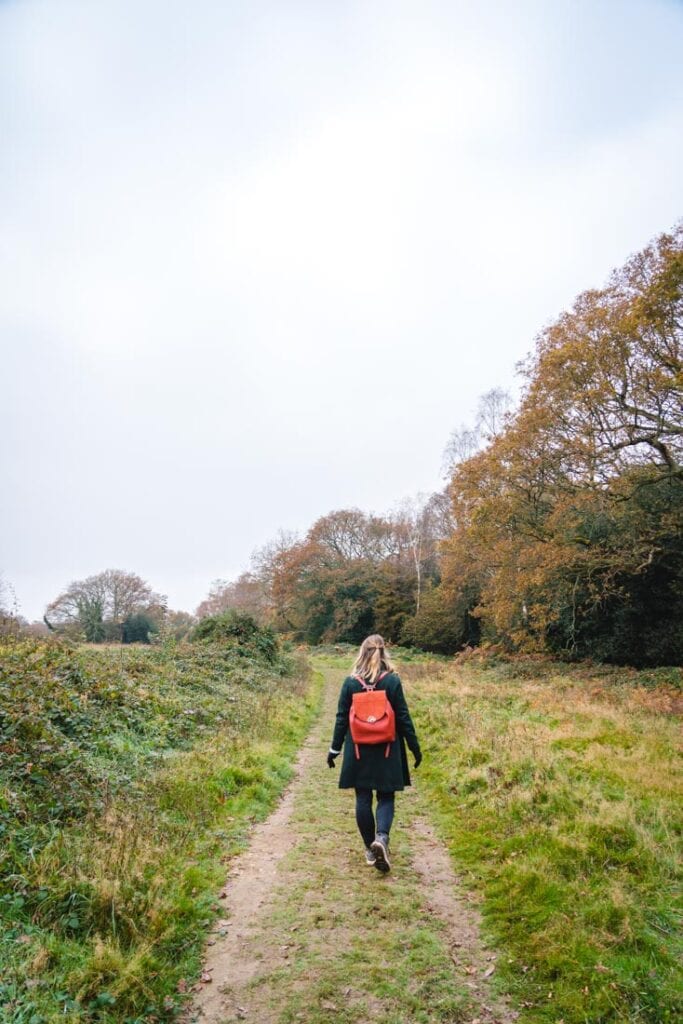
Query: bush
{"points": [[239, 630]]}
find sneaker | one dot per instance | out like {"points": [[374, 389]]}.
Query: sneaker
{"points": [[370, 858], [379, 848]]}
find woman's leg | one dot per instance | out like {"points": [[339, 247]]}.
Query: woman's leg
{"points": [[364, 816], [385, 813]]}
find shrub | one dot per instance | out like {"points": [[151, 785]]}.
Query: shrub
{"points": [[239, 630]]}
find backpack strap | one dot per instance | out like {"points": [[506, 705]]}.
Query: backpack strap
{"points": [[366, 686]]}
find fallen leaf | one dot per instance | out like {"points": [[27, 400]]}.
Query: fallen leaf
{"points": [[327, 1005], [489, 971], [205, 977], [182, 985], [470, 970], [601, 967]]}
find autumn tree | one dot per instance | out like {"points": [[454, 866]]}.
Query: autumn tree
{"points": [[567, 511], [352, 572], [178, 624], [324, 587], [248, 593]]}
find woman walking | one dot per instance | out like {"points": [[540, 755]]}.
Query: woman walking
{"points": [[375, 755]]}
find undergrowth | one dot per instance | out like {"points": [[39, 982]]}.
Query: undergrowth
{"points": [[127, 780]]}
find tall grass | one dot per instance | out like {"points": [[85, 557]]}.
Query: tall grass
{"points": [[126, 784], [558, 791]]}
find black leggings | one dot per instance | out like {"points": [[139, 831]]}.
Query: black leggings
{"points": [[365, 818]]}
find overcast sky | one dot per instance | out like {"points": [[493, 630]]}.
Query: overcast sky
{"points": [[257, 260]]}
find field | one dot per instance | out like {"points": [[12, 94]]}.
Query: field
{"points": [[559, 792], [131, 779]]}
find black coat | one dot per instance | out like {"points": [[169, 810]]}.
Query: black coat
{"points": [[373, 770]]}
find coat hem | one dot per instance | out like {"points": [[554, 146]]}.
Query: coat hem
{"points": [[397, 789]]}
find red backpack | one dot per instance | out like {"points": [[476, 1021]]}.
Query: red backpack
{"points": [[371, 718]]}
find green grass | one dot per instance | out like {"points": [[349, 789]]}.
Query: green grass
{"points": [[558, 792], [363, 946], [126, 786], [127, 781]]}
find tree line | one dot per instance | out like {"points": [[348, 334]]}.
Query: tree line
{"points": [[560, 529]]}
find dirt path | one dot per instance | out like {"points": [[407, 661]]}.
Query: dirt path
{"points": [[311, 934]]}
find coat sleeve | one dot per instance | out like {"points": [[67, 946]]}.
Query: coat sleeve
{"points": [[341, 723], [404, 723]]}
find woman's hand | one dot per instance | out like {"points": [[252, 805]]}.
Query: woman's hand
{"points": [[418, 759], [331, 756]]}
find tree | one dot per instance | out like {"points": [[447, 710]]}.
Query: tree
{"points": [[493, 412], [97, 606], [248, 592], [445, 622], [10, 619], [137, 628], [461, 445], [576, 503], [178, 624], [351, 535], [322, 587], [420, 524]]}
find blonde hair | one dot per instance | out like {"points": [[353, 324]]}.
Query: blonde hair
{"points": [[372, 659]]}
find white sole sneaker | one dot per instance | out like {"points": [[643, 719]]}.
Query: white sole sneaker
{"points": [[381, 855]]}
